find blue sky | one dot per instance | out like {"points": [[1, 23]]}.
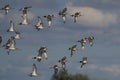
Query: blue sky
{"points": [[100, 18]]}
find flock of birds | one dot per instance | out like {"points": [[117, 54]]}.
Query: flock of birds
{"points": [[10, 45]]}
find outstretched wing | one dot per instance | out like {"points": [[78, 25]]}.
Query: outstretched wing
{"points": [[64, 10], [34, 67], [74, 46], [39, 20], [85, 59], [64, 58], [71, 53], [0, 39], [27, 7], [40, 51]]}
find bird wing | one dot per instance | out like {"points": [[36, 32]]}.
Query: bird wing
{"points": [[71, 53], [64, 10], [7, 6], [40, 20], [64, 58], [28, 7], [34, 67], [39, 53], [74, 46], [0, 39], [85, 58]]}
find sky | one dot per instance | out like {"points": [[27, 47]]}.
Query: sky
{"points": [[100, 19]]}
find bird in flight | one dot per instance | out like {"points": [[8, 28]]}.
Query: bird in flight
{"points": [[49, 19], [76, 15], [39, 25], [73, 49], [83, 62], [63, 14], [6, 8]]}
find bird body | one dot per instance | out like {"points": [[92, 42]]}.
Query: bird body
{"points": [[44, 55], [64, 18], [49, 23]]}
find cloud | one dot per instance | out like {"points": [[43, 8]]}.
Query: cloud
{"points": [[112, 69], [41, 3], [31, 15], [26, 70], [1, 15], [111, 2], [101, 4], [94, 17], [5, 68]]}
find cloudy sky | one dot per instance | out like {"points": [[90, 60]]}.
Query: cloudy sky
{"points": [[100, 19]]}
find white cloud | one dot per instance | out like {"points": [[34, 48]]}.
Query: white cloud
{"points": [[112, 69], [6, 67], [1, 15], [26, 70], [94, 17], [93, 67], [30, 15]]}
